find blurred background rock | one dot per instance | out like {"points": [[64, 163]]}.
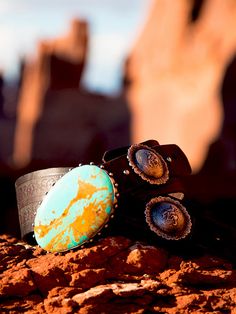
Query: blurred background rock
{"points": [[81, 77]]}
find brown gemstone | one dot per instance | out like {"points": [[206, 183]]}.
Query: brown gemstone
{"points": [[149, 163], [168, 218]]}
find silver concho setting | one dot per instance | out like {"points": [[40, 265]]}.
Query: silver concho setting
{"points": [[148, 164], [168, 218]]}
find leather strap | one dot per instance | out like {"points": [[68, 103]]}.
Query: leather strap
{"points": [[128, 181]]}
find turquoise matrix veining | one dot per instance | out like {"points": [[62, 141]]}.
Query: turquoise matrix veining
{"points": [[75, 209]]}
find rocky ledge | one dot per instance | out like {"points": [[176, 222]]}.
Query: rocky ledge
{"points": [[115, 275]]}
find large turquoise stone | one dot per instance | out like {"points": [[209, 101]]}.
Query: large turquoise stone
{"points": [[75, 209]]}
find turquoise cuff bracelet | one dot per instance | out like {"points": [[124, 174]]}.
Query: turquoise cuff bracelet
{"points": [[66, 208]]}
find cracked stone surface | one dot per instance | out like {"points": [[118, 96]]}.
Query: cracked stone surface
{"points": [[114, 275]]}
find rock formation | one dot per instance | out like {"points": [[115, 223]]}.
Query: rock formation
{"points": [[175, 72], [1, 95], [58, 65], [115, 275]]}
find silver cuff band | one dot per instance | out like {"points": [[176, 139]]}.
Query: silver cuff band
{"points": [[30, 190]]}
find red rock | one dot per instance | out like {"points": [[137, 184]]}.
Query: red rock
{"points": [[96, 256], [59, 304], [16, 282], [194, 275], [140, 259], [12, 254], [175, 77], [115, 275], [59, 65], [6, 238], [190, 300], [140, 294], [20, 305], [88, 278], [207, 262]]}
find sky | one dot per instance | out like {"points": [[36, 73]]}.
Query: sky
{"points": [[114, 26]]}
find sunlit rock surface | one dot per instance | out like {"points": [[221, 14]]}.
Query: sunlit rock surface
{"points": [[115, 275], [174, 75]]}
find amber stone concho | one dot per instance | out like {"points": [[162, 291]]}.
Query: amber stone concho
{"points": [[78, 203]]}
